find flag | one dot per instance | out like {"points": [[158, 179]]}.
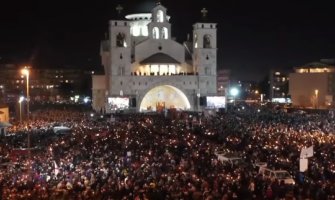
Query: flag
{"points": [[307, 152]]}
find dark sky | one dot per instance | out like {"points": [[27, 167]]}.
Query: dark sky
{"points": [[253, 36]]}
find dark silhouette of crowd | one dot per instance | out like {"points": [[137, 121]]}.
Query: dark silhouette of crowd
{"points": [[142, 156]]}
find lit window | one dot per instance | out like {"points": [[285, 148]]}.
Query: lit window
{"points": [[135, 31], [154, 69], [172, 69], [144, 31], [160, 16], [155, 33], [165, 33], [163, 69]]}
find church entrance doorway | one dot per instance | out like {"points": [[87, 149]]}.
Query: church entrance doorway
{"points": [[164, 97]]}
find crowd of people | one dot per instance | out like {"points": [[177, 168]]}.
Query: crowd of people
{"points": [[142, 156]]}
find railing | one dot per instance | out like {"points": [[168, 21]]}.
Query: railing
{"points": [[164, 74]]}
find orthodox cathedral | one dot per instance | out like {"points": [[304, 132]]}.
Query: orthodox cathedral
{"points": [[145, 69]]}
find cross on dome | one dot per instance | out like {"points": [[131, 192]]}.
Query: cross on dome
{"points": [[119, 8], [204, 12]]}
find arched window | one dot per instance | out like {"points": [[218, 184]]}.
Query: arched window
{"points": [[165, 34], [195, 41], [121, 40], [160, 16], [207, 41], [155, 33]]}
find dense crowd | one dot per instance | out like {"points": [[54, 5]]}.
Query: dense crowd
{"points": [[141, 156]]}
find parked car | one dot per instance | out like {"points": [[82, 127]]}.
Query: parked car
{"points": [[277, 174]]}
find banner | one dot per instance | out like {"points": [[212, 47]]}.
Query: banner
{"points": [[307, 152]]}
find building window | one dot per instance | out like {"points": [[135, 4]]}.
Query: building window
{"points": [[195, 41], [160, 16], [155, 33], [163, 70], [154, 69], [165, 33], [172, 69], [121, 40], [207, 41]]}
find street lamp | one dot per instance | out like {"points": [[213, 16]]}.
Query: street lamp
{"points": [[20, 103], [234, 92], [198, 100], [25, 71], [316, 92]]}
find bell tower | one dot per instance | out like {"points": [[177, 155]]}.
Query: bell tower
{"points": [[120, 47], [205, 51], [159, 27]]}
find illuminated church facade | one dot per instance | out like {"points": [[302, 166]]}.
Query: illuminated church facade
{"points": [[147, 69]]}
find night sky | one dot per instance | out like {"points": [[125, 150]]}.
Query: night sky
{"points": [[253, 36]]}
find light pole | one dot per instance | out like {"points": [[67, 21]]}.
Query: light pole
{"points": [[20, 103], [316, 98], [25, 71], [198, 100]]}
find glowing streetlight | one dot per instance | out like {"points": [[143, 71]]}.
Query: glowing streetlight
{"points": [[25, 71], [20, 103], [234, 92]]}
